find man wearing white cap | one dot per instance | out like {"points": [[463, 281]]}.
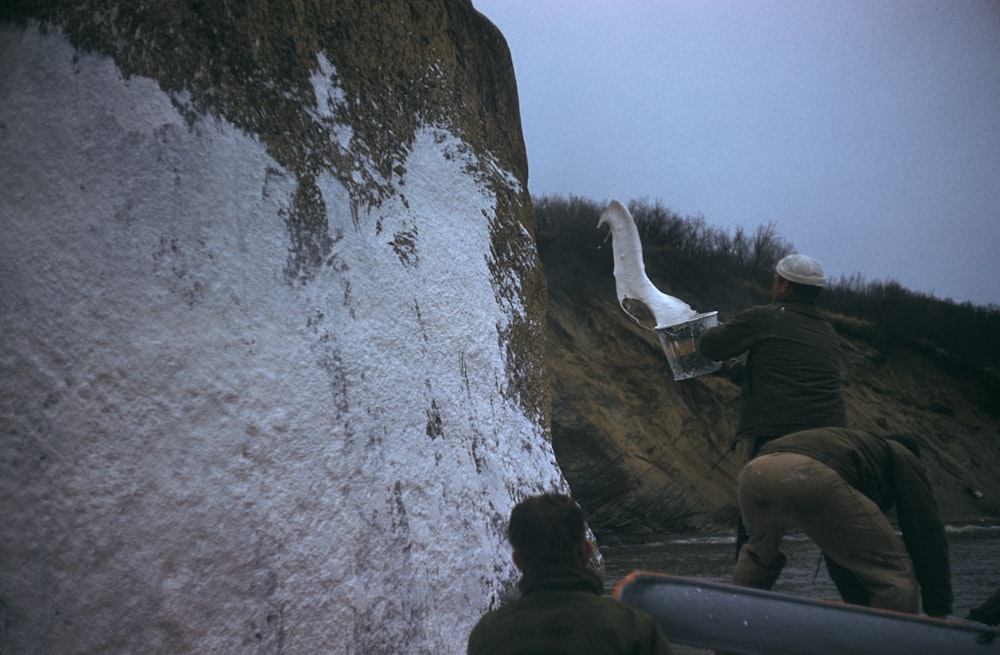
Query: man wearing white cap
{"points": [[792, 379]]}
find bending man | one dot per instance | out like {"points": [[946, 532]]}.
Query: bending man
{"points": [[792, 379], [834, 484]]}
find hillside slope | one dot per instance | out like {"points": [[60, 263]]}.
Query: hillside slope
{"points": [[646, 456]]}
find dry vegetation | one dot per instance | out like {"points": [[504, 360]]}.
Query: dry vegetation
{"points": [[709, 262], [646, 455]]}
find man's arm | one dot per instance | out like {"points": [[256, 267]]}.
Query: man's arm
{"points": [[923, 531], [731, 338]]}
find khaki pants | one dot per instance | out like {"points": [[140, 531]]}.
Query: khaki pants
{"points": [[779, 491]]}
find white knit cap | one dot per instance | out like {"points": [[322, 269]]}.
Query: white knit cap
{"points": [[801, 269]]}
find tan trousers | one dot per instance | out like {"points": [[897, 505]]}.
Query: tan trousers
{"points": [[779, 491]]}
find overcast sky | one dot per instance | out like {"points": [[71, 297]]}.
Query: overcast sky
{"points": [[867, 131]]}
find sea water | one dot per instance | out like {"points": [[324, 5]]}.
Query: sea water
{"points": [[974, 554]]}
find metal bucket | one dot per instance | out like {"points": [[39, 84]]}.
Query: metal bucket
{"points": [[679, 343]]}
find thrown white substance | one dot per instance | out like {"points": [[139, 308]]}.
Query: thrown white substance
{"points": [[630, 271]]}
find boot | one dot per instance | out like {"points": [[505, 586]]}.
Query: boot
{"points": [[750, 571]]}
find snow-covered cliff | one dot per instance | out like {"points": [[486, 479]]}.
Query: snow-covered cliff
{"points": [[267, 385]]}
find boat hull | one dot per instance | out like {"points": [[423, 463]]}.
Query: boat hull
{"points": [[735, 619]]}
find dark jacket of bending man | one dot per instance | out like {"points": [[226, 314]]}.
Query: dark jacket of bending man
{"points": [[561, 609]]}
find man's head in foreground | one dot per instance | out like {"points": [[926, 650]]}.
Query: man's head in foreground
{"points": [[548, 530]]}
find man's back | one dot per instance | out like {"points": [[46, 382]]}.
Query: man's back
{"points": [[561, 611], [792, 380]]}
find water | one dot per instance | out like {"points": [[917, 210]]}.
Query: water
{"points": [[630, 272], [974, 553]]}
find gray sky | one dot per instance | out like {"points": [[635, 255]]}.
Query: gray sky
{"points": [[867, 131]]}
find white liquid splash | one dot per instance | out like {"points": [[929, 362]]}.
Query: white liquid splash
{"points": [[630, 271]]}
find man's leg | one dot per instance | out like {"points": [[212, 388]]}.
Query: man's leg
{"points": [[752, 571], [850, 588], [761, 501], [742, 536], [851, 530]]}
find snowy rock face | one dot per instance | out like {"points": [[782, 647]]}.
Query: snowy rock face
{"points": [[271, 329]]}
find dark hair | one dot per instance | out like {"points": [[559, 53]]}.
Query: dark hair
{"points": [[548, 529], [804, 291]]}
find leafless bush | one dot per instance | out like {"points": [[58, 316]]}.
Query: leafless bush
{"points": [[571, 245]]}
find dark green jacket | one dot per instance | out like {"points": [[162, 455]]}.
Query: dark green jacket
{"points": [[890, 475], [561, 610], [792, 380]]}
